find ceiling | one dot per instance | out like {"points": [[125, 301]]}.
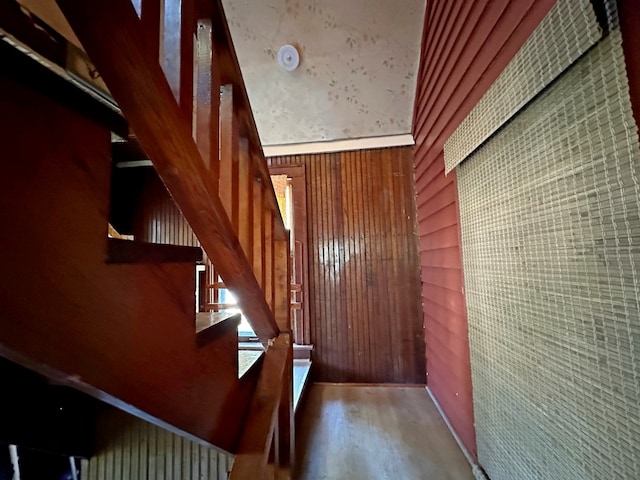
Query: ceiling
{"points": [[357, 73]]}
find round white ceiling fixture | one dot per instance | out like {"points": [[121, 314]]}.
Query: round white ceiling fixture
{"points": [[288, 57]]}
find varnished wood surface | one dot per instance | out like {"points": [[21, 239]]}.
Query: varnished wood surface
{"points": [[364, 294], [35, 73], [142, 91], [374, 433], [466, 45], [127, 251], [205, 320], [261, 423], [124, 333]]}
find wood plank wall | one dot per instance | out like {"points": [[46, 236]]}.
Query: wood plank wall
{"points": [[366, 323], [158, 218], [128, 448], [465, 46]]}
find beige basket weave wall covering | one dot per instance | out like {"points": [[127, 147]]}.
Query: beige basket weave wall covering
{"points": [[550, 219], [567, 31]]}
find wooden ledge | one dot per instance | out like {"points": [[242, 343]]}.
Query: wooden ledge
{"points": [[212, 325], [128, 151], [301, 374], [302, 352], [248, 360], [128, 251]]}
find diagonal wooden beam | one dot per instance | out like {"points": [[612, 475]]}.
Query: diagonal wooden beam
{"points": [[110, 32], [253, 452]]}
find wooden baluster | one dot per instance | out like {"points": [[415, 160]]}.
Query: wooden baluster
{"points": [[176, 51], [282, 287], [212, 278], [268, 257], [258, 232], [245, 200], [255, 445], [170, 45], [286, 419], [187, 58], [229, 146], [207, 98], [144, 94], [282, 313], [151, 25]]}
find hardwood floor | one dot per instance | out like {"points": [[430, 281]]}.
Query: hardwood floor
{"points": [[375, 432]]}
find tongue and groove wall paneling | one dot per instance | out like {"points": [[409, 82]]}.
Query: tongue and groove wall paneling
{"points": [[158, 218], [466, 45], [128, 448], [365, 315]]}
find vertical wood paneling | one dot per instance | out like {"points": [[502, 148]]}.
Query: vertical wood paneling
{"points": [[364, 306], [128, 448], [158, 219], [462, 54]]}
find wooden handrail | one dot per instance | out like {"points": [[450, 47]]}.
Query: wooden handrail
{"points": [[204, 145], [140, 87]]}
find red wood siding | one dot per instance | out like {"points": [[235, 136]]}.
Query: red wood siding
{"points": [[466, 45], [364, 288], [629, 20]]}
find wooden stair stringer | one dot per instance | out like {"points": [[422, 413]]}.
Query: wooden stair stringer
{"points": [[124, 333]]}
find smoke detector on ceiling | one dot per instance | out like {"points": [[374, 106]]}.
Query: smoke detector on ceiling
{"points": [[288, 57]]}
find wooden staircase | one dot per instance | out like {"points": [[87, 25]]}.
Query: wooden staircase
{"points": [[116, 318]]}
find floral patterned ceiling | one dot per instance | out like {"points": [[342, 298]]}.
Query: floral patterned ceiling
{"points": [[357, 73]]}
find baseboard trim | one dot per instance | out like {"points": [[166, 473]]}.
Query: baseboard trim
{"points": [[348, 384], [338, 145], [478, 473]]}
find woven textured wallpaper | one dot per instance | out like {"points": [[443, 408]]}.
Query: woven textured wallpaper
{"points": [[550, 220], [566, 32]]}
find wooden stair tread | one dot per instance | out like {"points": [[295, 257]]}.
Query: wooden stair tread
{"points": [[208, 320], [251, 346], [247, 359], [128, 151], [129, 251], [301, 371]]}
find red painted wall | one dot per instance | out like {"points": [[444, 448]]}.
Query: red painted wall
{"points": [[466, 45]]}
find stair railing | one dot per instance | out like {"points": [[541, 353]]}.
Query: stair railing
{"points": [[171, 67]]}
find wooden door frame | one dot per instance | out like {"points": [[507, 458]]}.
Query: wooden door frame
{"points": [[297, 173]]}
